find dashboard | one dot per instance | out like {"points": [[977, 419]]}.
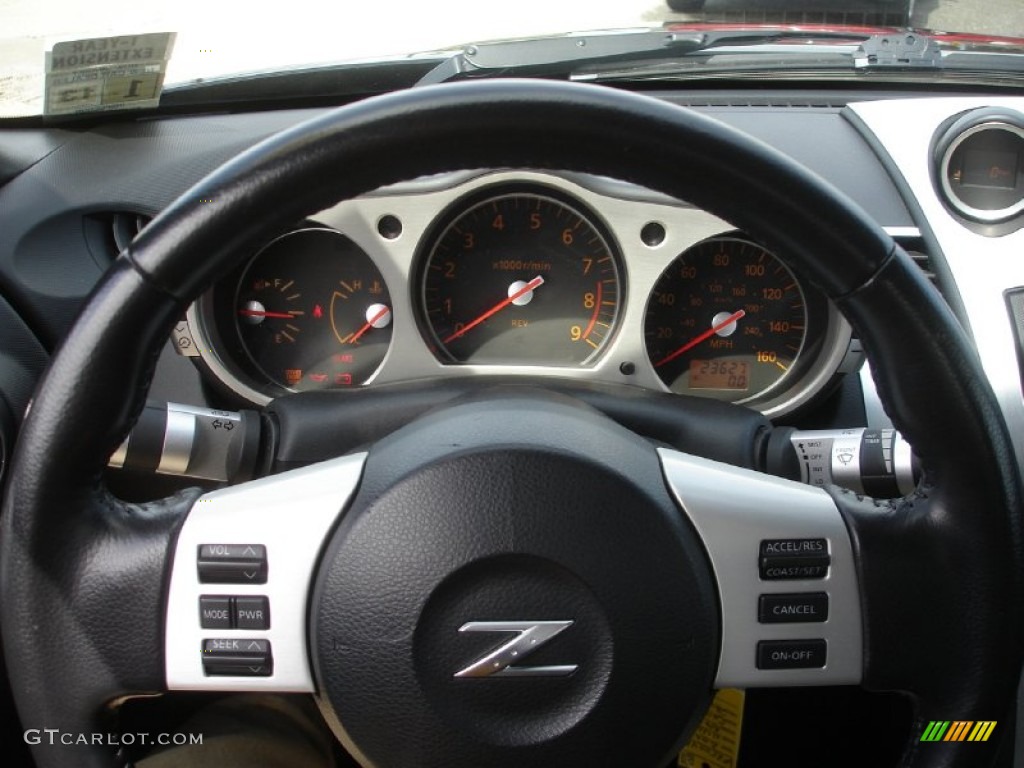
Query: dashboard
{"points": [[534, 274], [518, 273], [530, 273]]}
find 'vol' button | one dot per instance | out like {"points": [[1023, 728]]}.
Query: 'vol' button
{"points": [[232, 564]]}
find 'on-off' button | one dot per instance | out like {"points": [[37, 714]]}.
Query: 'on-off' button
{"points": [[791, 654]]}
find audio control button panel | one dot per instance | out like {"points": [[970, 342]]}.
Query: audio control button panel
{"points": [[243, 567]]}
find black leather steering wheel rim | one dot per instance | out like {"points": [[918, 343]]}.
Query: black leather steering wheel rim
{"points": [[77, 566]]}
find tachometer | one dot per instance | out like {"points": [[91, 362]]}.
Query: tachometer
{"points": [[727, 320], [520, 277]]}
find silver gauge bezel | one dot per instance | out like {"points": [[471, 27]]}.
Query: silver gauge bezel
{"points": [[623, 208], [995, 216]]}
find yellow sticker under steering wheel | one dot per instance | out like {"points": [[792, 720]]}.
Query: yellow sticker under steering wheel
{"points": [[716, 742]]}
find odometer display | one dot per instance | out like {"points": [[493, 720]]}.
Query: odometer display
{"points": [[519, 277], [720, 374], [727, 319]]}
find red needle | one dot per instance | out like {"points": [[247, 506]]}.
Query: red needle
{"points": [[536, 282], [698, 339], [264, 313], [383, 311]]}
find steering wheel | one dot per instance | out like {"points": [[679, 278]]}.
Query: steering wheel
{"points": [[515, 578]]}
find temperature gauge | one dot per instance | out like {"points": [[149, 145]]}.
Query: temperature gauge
{"points": [[312, 312]]}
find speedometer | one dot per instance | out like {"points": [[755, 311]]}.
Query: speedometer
{"points": [[727, 320], [520, 276]]}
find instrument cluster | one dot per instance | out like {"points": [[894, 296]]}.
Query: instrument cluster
{"points": [[522, 273]]}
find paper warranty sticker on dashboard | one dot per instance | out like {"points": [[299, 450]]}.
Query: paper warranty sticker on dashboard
{"points": [[716, 742], [102, 74]]}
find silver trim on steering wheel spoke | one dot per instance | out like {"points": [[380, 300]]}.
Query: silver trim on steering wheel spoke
{"points": [[736, 511], [269, 532]]}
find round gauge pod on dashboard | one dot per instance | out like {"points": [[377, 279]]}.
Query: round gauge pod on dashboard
{"points": [[978, 170]]}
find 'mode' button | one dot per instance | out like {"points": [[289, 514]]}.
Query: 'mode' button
{"points": [[793, 608], [214, 612], [791, 654]]}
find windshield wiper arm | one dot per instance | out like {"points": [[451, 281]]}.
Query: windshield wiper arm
{"points": [[898, 50], [558, 56], [561, 56]]}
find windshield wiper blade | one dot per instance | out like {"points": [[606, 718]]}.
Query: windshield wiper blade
{"points": [[561, 56], [619, 54], [898, 54]]}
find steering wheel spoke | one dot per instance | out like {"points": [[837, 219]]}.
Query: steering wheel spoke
{"points": [[785, 574], [240, 586]]}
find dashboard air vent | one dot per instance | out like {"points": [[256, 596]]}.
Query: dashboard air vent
{"points": [[107, 233], [124, 227], [924, 261], [764, 101], [916, 248]]}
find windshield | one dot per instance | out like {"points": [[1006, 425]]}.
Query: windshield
{"points": [[217, 39]]}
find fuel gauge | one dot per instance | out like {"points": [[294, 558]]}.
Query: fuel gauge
{"points": [[312, 312]]}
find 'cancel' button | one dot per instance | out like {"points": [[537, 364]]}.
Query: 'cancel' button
{"points": [[793, 608], [791, 654]]}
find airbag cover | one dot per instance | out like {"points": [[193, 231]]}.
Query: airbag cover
{"points": [[506, 511]]}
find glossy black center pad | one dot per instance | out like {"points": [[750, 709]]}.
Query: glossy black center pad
{"points": [[514, 509]]}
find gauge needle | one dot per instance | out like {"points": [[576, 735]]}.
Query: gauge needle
{"points": [[371, 323], [265, 313], [698, 339], [535, 283]]}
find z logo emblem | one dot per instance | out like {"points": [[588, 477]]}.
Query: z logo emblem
{"points": [[530, 636]]}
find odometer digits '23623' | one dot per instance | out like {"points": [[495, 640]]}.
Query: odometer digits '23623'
{"points": [[727, 320], [520, 277]]}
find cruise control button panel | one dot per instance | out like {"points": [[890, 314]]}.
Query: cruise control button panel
{"points": [[237, 657], [232, 564], [795, 608], [791, 654], [785, 572], [792, 559]]}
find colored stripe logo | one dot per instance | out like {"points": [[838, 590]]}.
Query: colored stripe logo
{"points": [[958, 730]]}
